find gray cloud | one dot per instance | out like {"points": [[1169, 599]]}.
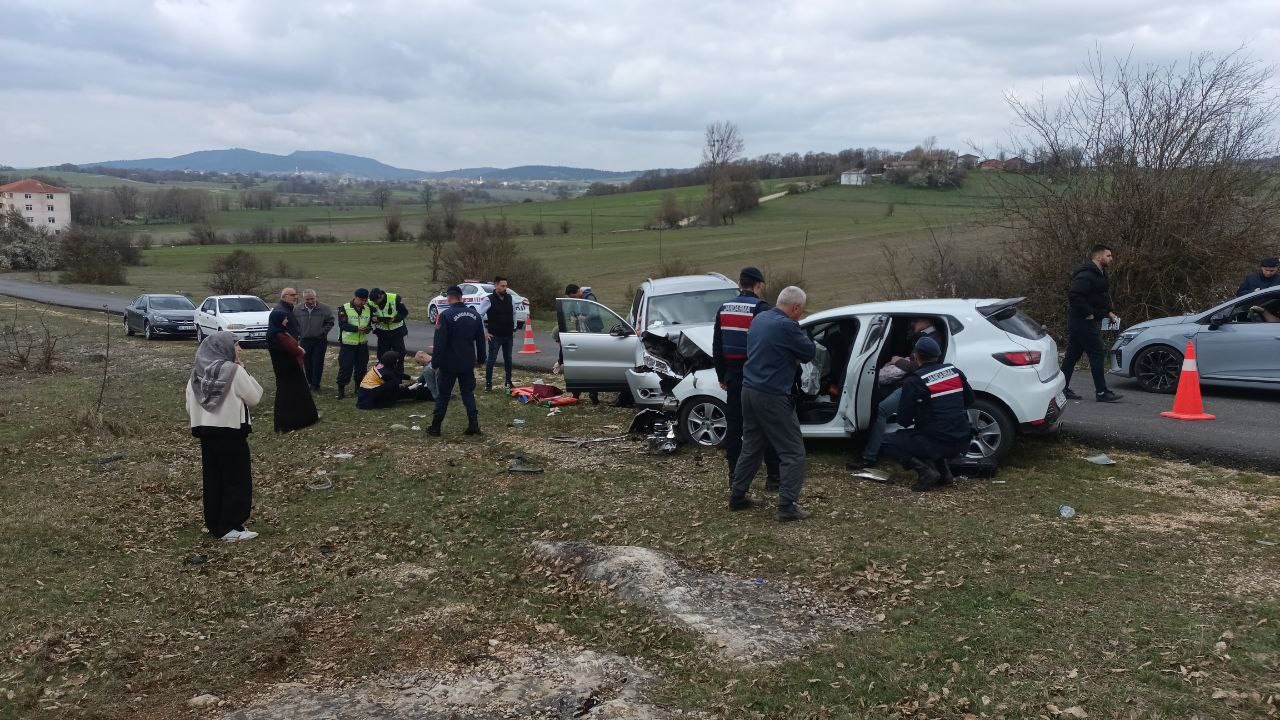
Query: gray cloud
{"points": [[626, 84]]}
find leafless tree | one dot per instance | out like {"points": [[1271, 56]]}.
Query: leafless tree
{"points": [[1168, 164], [240, 273], [722, 146]]}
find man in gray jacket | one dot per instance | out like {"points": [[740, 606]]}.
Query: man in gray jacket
{"points": [[776, 345], [315, 320]]}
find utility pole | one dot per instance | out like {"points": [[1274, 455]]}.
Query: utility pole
{"points": [[803, 252], [593, 224], [659, 244]]}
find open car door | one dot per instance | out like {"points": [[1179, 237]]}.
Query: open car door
{"points": [[862, 372], [598, 346]]}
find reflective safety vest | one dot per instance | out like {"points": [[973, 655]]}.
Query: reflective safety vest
{"points": [[388, 310], [359, 318]]}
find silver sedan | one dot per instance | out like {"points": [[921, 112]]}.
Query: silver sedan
{"points": [[1237, 344]]}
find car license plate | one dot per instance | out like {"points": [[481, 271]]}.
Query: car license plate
{"points": [[186, 327], [257, 335], [1061, 400]]}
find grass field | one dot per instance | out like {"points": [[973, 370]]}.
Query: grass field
{"points": [[1158, 600], [607, 248]]}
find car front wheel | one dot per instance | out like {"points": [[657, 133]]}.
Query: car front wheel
{"points": [[703, 421], [993, 430], [1158, 368], [433, 314]]}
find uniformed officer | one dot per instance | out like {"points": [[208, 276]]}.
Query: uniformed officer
{"points": [[459, 347], [389, 313], [729, 353], [354, 324], [934, 401]]}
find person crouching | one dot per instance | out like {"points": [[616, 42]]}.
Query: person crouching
{"points": [[382, 386], [934, 402]]}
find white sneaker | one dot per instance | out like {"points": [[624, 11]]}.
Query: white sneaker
{"points": [[247, 535], [231, 536]]}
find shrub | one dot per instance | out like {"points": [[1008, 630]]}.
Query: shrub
{"points": [[85, 256], [240, 273], [145, 241], [485, 249], [539, 228], [776, 279], [564, 227], [204, 234], [22, 247], [671, 265]]}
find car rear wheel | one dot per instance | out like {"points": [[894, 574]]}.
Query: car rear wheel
{"points": [[433, 314], [128, 329], [146, 330], [1158, 368], [993, 430], [199, 334], [703, 421]]}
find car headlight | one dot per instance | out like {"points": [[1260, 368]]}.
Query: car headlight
{"points": [[235, 327], [654, 363], [1127, 337]]}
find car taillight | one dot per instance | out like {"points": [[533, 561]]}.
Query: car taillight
{"points": [[1019, 358]]}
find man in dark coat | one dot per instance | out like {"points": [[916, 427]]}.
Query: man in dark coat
{"points": [[315, 320], [500, 328], [1088, 302], [459, 347], [1266, 277], [935, 400]]}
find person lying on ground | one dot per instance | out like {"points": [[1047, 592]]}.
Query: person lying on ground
{"points": [[425, 385], [384, 385]]}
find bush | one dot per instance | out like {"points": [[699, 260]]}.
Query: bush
{"points": [[539, 228], [86, 256], [482, 250], [204, 234], [145, 241], [776, 279], [256, 235], [240, 273], [672, 265], [22, 247], [564, 227]]}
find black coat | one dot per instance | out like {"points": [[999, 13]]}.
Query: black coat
{"points": [[1090, 292], [501, 315], [459, 339], [1255, 281]]}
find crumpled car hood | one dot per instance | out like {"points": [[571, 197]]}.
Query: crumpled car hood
{"points": [[685, 349]]}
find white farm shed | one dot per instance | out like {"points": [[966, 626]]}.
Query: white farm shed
{"points": [[853, 177]]}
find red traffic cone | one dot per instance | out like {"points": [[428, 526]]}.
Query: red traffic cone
{"points": [[1187, 404], [529, 348]]}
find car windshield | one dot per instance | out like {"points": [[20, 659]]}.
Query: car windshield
{"points": [[241, 304], [688, 308], [171, 303]]}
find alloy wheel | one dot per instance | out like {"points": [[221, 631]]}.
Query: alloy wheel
{"points": [[986, 434], [1158, 369], [706, 424]]}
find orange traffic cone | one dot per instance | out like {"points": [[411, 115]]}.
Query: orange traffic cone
{"points": [[529, 348], [1187, 404]]}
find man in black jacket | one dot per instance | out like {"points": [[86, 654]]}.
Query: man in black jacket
{"points": [[1088, 302], [1266, 277], [500, 327], [934, 403], [459, 347]]}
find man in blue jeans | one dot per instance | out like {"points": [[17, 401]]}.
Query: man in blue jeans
{"points": [[891, 376], [459, 347], [500, 327]]}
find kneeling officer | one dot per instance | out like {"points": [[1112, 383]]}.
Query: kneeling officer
{"points": [[934, 401]]}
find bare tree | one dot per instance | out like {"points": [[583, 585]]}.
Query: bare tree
{"points": [[722, 146], [393, 223], [1166, 163], [426, 193], [240, 273], [380, 196]]}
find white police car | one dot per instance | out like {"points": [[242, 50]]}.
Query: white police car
{"points": [[474, 294]]}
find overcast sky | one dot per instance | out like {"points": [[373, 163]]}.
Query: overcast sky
{"points": [[615, 84]]}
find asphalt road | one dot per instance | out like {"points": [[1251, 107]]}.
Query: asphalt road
{"points": [[420, 333], [1244, 434]]}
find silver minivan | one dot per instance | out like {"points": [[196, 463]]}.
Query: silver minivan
{"points": [[601, 348]]}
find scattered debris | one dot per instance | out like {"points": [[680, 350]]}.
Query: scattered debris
{"points": [[195, 559], [518, 422], [579, 442], [741, 619], [416, 427], [518, 464], [343, 456], [203, 701], [323, 483], [1066, 511], [398, 426], [105, 460], [878, 476], [504, 683], [1101, 459]]}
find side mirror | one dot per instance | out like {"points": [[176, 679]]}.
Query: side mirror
{"points": [[1215, 323], [620, 331]]}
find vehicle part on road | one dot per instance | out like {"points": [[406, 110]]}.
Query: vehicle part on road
{"points": [[518, 464], [1187, 404], [1066, 511], [1157, 369], [321, 484], [703, 421], [580, 442], [1102, 459]]}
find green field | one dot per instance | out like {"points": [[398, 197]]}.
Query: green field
{"points": [[1157, 600], [606, 246]]}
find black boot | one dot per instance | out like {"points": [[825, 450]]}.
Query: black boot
{"points": [[473, 427], [944, 472], [926, 476], [434, 429], [342, 392]]}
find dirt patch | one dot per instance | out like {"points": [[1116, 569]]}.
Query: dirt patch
{"points": [[508, 683], [743, 620]]}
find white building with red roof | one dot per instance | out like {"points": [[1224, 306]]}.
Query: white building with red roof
{"points": [[42, 205]]}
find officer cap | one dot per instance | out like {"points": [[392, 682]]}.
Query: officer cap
{"points": [[752, 274], [928, 347], [1271, 262], [453, 291], [361, 293]]}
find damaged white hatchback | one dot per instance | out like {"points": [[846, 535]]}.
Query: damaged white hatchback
{"points": [[1010, 360]]}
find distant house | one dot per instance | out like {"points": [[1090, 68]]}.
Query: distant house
{"points": [[1015, 164], [991, 165], [968, 161], [853, 177], [902, 165], [40, 204]]}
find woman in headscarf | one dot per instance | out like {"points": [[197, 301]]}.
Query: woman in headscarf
{"points": [[295, 408], [219, 395]]}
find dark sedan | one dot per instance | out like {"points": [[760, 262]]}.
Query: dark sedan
{"points": [[156, 316]]}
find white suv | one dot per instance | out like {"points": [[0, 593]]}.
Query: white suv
{"points": [[244, 315], [1010, 360]]}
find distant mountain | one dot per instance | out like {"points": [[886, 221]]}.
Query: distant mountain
{"points": [[331, 163]]}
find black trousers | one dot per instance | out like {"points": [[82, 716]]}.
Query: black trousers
{"points": [[495, 344], [733, 433], [313, 363], [352, 360], [466, 387], [907, 445], [1084, 337], [228, 484], [392, 340]]}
